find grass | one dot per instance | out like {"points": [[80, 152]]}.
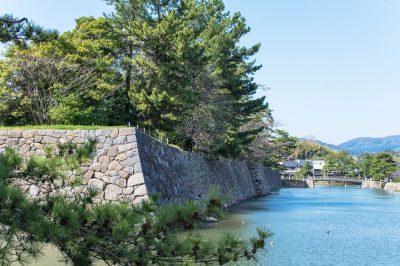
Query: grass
{"points": [[60, 127]]}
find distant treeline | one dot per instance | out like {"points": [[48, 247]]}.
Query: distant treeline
{"points": [[377, 166]]}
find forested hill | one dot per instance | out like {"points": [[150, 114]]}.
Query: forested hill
{"points": [[366, 145]]}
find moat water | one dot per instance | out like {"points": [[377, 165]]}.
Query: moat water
{"points": [[322, 226]]}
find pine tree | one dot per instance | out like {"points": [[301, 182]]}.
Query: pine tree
{"points": [[116, 233], [180, 51], [22, 30]]}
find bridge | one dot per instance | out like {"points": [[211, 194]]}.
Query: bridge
{"points": [[332, 179], [310, 180]]}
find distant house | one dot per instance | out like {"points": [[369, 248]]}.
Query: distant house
{"points": [[292, 166], [318, 165]]}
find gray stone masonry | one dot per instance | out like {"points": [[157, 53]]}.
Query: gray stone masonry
{"points": [[129, 165]]}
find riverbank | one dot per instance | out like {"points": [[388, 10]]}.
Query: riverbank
{"points": [[304, 183], [309, 183], [390, 187]]}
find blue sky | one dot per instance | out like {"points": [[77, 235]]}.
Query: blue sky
{"points": [[333, 66]]}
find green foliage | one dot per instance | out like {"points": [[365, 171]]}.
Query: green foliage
{"points": [[116, 233], [215, 203], [74, 155], [175, 68], [21, 30], [307, 150], [340, 163], [378, 166], [9, 160], [48, 170], [305, 170], [280, 147]]}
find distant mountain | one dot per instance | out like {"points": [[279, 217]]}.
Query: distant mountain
{"points": [[365, 145]]}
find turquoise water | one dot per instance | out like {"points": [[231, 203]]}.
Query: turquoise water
{"points": [[323, 226]]}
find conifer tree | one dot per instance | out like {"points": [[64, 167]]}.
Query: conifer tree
{"points": [[22, 30], [116, 233]]}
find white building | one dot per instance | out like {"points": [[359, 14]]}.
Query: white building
{"points": [[292, 166]]}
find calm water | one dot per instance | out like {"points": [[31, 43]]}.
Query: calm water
{"points": [[363, 225]]}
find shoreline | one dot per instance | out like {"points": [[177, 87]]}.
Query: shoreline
{"points": [[302, 183]]}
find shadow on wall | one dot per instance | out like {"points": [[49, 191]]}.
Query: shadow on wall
{"points": [[181, 175], [130, 165]]}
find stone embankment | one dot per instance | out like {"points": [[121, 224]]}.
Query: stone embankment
{"points": [[294, 183], [392, 187], [372, 184], [130, 165]]}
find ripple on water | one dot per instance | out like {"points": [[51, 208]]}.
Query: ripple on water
{"points": [[323, 226]]}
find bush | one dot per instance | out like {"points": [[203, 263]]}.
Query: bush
{"points": [[215, 203], [116, 233]]}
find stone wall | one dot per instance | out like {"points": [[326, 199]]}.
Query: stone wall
{"points": [[114, 169], [176, 174], [372, 184], [129, 165], [392, 187], [294, 183]]}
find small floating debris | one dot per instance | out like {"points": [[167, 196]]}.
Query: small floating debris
{"points": [[243, 222], [272, 243], [328, 232]]}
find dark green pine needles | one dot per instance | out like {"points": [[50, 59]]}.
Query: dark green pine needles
{"points": [[116, 233]]}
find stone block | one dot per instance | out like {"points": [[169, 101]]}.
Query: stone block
{"points": [[111, 173], [110, 179], [78, 140], [12, 141], [126, 147], [127, 191], [113, 151], [104, 160], [97, 184], [137, 168], [121, 182], [126, 131], [15, 134], [98, 175], [114, 165], [123, 174], [131, 161], [88, 175], [25, 148], [34, 190], [121, 157], [138, 200], [136, 179], [140, 191], [112, 192], [114, 133], [131, 138], [95, 167], [49, 140], [119, 140]]}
